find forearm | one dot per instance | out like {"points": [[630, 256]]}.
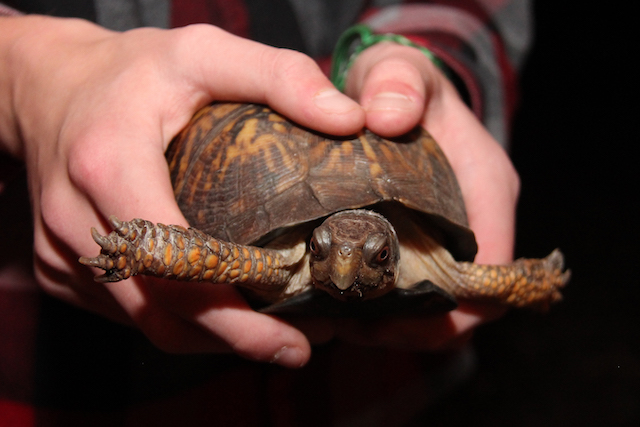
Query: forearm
{"points": [[37, 54]]}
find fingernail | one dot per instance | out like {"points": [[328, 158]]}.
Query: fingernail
{"points": [[289, 357], [332, 101], [390, 101]]}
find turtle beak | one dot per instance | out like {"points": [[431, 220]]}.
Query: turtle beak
{"points": [[345, 268]]}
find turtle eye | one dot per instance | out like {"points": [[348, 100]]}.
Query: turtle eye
{"points": [[377, 250], [313, 246], [320, 242], [383, 255]]}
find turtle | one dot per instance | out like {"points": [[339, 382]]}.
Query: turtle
{"points": [[304, 222]]}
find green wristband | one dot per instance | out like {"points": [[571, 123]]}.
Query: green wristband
{"points": [[358, 38]]}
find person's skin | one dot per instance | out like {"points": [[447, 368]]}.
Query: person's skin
{"points": [[91, 112]]}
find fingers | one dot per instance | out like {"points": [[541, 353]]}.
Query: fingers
{"points": [[61, 212], [216, 319], [288, 81], [176, 317], [391, 82]]}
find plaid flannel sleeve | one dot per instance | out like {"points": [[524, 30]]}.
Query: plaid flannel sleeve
{"points": [[483, 43]]}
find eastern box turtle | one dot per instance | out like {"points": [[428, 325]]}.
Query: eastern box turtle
{"points": [[305, 222]]}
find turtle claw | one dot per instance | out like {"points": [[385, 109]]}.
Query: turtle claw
{"points": [[555, 259], [116, 264], [105, 263], [122, 227], [116, 224], [103, 260], [90, 262], [554, 262], [106, 260], [107, 245]]}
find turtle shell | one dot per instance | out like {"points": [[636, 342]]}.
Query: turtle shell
{"points": [[242, 171]]}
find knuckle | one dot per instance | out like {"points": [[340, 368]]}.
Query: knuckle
{"points": [[91, 163], [396, 62], [139, 53], [404, 72], [183, 43], [396, 66], [182, 40], [398, 75], [53, 222], [189, 35], [285, 65]]}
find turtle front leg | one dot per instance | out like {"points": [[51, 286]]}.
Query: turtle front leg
{"points": [[523, 283], [174, 252]]}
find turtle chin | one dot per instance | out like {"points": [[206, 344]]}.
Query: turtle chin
{"points": [[355, 292]]}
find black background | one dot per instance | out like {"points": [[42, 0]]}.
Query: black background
{"points": [[574, 145]]}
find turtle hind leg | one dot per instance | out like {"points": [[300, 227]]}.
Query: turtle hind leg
{"points": [[526, 282]]}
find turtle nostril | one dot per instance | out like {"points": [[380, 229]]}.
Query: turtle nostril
{"points": [[345, 251]]}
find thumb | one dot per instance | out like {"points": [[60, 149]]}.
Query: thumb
{"points": [[289, 81]]}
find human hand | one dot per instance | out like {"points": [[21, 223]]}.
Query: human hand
{"points": [[399, 87], [92, 111]]}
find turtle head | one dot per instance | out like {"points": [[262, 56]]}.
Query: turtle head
{"points": [[354, 255]]}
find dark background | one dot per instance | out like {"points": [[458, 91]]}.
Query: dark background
{"points": [[574, 147]]}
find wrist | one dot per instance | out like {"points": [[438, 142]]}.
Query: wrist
{"points": [[32, 53], [12, 29], [17, 46]]}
